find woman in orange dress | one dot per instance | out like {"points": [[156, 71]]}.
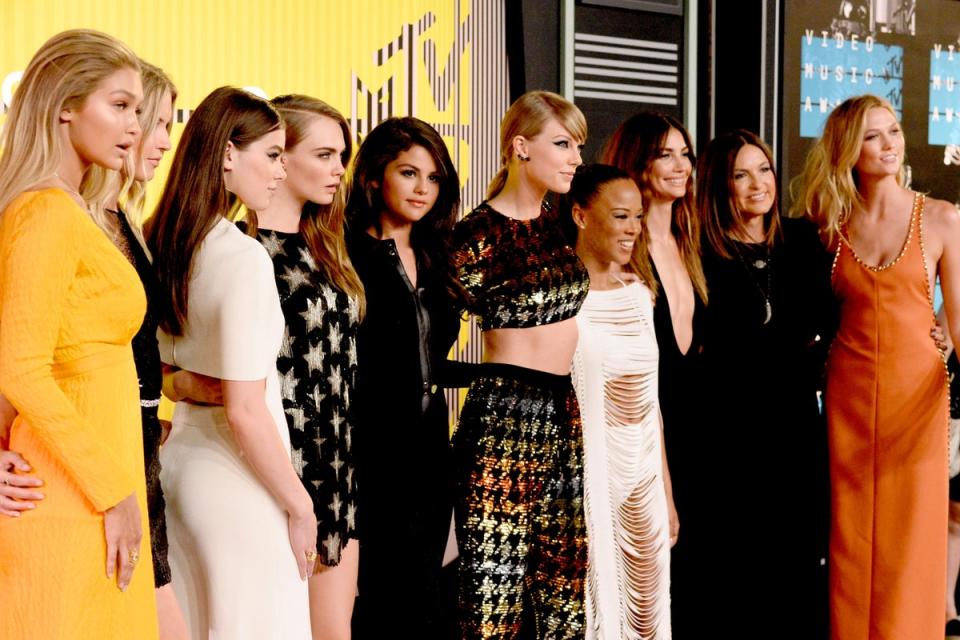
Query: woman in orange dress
{"points": [[886, 392], [68, 568]]}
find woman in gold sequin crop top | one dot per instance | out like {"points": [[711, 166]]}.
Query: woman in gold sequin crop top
{"points": [[518, 448], [519, 273]]}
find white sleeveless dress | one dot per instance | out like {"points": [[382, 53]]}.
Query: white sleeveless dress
{"points": [[234, 573], [615, 376]]}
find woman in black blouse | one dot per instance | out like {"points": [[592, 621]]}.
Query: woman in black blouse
{"points": [[766, 324], [156, 117], [402, 206]]}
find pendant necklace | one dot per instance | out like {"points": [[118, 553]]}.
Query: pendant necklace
{"points": [[72, 192], [761, 264]]}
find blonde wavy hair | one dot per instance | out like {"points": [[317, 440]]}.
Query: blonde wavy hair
{"points": [[527, 117], [322, 226], [101, 188], [827, 190], [63, 72]]}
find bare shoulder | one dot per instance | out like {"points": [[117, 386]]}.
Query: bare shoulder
{"points": [[942, 217], [941, 212]]}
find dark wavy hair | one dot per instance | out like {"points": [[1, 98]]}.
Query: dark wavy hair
{"points": [[195, 196], [587, 184], [716, 205], [430, 236]]}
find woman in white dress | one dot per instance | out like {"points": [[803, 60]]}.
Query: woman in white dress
{"points": [[631, 522], [241, 525]]}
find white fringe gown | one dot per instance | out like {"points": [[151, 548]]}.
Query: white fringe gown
{"points": [[615, 376]]}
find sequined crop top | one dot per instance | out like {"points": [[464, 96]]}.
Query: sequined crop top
{"points": [[519, 273]]}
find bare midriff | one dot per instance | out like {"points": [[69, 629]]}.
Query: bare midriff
{"points": [[547, 348]]}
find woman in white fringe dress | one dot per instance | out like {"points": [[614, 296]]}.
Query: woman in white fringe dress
{"points": [[631, 521]]}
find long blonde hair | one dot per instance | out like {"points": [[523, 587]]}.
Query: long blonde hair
{"points": [[827, 190], [526, 117], [633, 147], [101, 187], [322, 225], [63, 72]]}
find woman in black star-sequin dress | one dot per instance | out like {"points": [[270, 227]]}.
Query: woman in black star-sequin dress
{"points": [[322, 300]]}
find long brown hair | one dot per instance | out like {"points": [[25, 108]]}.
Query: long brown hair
{"points": [[827, 191], [526, 117], [195, 196], [633, 147], [322, 225], [722, 221]]}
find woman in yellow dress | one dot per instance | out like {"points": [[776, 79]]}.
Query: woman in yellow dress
{"points": [[68, 568]]}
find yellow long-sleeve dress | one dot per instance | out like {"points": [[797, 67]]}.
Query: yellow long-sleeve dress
{"points": [[70, 304]]}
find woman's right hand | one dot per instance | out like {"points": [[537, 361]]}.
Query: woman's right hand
{"points": [[302, 530], [124, 532], [17, 491], [198, 388], [180, 385]]}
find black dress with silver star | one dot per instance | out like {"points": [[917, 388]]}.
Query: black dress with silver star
{"points": [[318, 368]]}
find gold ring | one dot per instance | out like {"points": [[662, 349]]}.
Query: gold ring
{"points": [[133, 557], [311, 556]]}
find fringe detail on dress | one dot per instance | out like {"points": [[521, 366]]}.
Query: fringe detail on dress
{"points": [[615, 376]]}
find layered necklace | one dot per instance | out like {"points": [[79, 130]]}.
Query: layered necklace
{"points": [[764, 264]]}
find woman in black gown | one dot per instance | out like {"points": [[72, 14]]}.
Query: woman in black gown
{"points": [[764, 331]]}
